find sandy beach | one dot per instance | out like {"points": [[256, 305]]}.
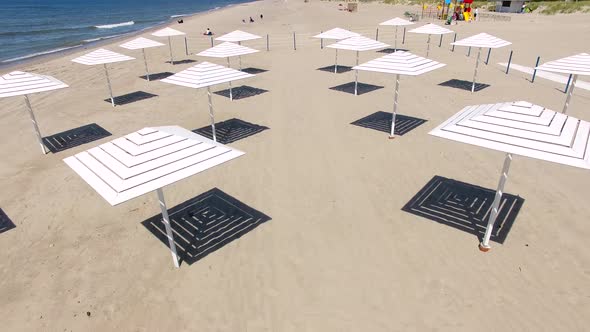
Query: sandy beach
{"points": [[338, 254]]}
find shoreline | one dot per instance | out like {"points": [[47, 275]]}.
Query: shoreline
{"points": [[58, 53]]}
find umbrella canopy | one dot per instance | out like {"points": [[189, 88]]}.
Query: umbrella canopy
{"points": [[227, 50], [142, 43], [102, 56], [204, 75], [574, 65], [18, 83], [169, 32], [237, 36], [358, 43], [396, 22], [337, 34], [430, 29], [519, 128], [148, 160], [399, 63], [482, 40]]}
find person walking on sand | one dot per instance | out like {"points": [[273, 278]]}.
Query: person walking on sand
{"points": [[251, 19], [475, 14], [208, 32], [261, 16]]}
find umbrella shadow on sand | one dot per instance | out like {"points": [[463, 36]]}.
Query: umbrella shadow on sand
{"points": [[241, 92], [464, 85], [74, 137], [5, 223], [340, 69], [157, 76], [131, 97], [206, 223], [361, 89], [231, 130], [254, 71], [465, 207], [381, 121]]}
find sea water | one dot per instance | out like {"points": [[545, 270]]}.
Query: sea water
{"points": [[31, 28]]}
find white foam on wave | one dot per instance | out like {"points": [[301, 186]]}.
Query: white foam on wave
{"points": [[116, 25], [179, 15], [100, 38], [38, 54]]}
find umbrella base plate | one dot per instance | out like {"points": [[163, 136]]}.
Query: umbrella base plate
{"points": [[484, 248]]}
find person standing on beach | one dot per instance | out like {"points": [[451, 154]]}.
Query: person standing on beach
{"points": [[261, 17], [475, 14]]}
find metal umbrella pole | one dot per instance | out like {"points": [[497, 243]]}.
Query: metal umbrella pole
{"points": [[166, 220], [570, 92], [475, 72], [240, 57], [396, 95], [211, 115], [485, 244], [170, 47], [336, 63], [106, 72], [428, 46], [231, 96], [356, 75], [147, 72], [34, 121], [395, 44]]}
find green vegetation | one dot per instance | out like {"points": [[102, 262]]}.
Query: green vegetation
{"points": [[555, 7]]}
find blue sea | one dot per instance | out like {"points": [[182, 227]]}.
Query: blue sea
{"points": [[30, 28]]}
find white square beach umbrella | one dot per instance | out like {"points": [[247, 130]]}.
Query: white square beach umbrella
{"points": [[430, 29], [336, 34], [519, 128], [102, 57], [169, 32], [203, 75], [148, 160], [399, 63], [227, 50], [237, 36], [574, 65], [396, 22], [482, 40], [18, 83], [358, 43], [142, 43]]}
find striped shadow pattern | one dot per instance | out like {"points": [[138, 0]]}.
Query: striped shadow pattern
{"points": [[381, 121], [226, 50], [147, 160], [337, 34], [521, 128], [205, 74], [241, 92], [101, 56], [75, 137], [464, 206], [18, 83], [206, 223], [140, 43], [5, 223], [237, 36], [231, 130], [482, 40]]}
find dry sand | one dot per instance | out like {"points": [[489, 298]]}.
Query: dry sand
{"points": [[338, 254]]}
